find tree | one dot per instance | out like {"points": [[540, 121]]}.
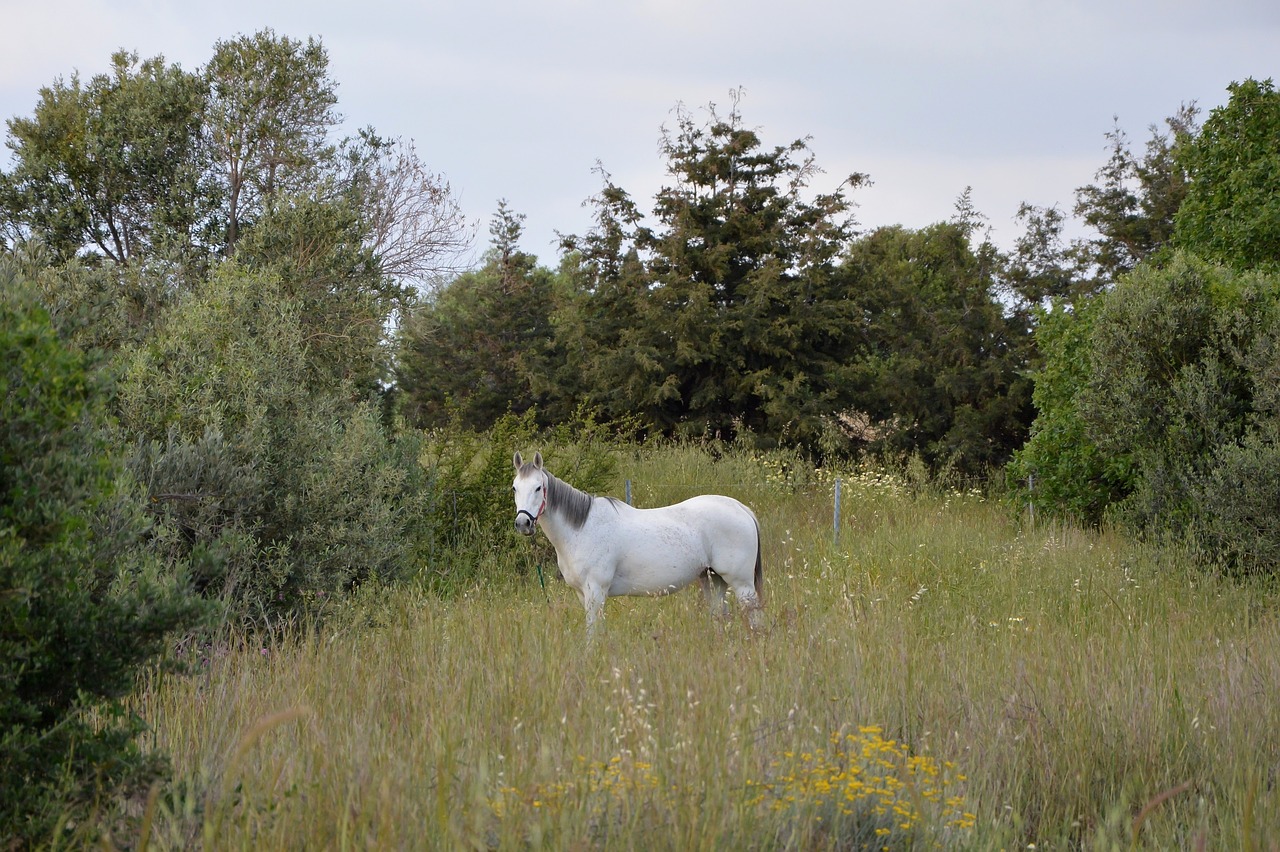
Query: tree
{"points": [[938, 368], [83, 606], [1061, 466], [469, 350], [736, 327], [1042, 265], [1231, 213], [415, 227], [271, 107], [282, 481], [1133, 206], [605, 356], [1158, 409], [1163, 389], [317, 252], [111, 167], [743, 269]]}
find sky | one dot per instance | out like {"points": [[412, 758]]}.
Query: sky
{"points": [[520, 101]]}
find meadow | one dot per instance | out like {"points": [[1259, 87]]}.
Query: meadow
{"points": [[950, 674]]}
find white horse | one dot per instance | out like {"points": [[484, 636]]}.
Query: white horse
{"points": [[606, 548]]}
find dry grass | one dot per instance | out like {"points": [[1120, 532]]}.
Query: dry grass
{"points": [[1017, 685]]}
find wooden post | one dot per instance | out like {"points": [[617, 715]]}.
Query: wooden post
{"points": [[835, 519]]}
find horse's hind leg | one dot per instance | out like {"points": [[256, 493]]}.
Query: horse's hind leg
{"points": [[751, 604], [714, 588]]}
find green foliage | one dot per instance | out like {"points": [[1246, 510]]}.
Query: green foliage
{"points": [[1042, 265], [1157, 408], [1130, 207], [1181, 374], [1231, 214], [753, 335], [1239, 521], [82, 604], [746, 312], [604, 346], [86, 178], [469, 353], [722, 319], [270, 109], [285, 484], [1133, 206], [1154, 401], [252, 404], [1061, 467], [152, 164], [940, 374], [1160, 390], [314, 249]]}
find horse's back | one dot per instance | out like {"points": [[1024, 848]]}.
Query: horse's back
{"points": [[722, 512], [667, 548], [720, 529]]}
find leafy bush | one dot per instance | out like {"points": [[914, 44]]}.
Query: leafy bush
{"points": [[472, 511], [285, 486], [82, 604], [1240, 494], [1061, 468], [1164, 389], [1158, 408]]}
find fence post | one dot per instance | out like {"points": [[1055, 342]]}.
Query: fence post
{"points": [[835, 515], [628, 492], [1031, 498]]}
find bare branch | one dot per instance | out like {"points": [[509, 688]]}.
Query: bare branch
{"points": [[417, 229]]}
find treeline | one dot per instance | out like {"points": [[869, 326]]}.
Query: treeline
{"points": [[1126, 377], [745, 307], [243, 376]]}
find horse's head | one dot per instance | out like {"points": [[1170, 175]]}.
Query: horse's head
{"points": [[530, 490]]}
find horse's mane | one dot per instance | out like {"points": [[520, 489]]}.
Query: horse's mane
{"points": [[574, 505]]}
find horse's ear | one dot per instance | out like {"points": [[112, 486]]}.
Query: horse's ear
{"points": [[537, 460], [516, 460]]}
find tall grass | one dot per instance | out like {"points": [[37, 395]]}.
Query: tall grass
{"points": [[946, 675]]}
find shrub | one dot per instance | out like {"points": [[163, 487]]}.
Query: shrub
{"points": [[472, 510], [1158, 408], [1061, 468], [285, 487], [82, 605]]}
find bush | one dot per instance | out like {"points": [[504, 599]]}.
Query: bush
{"points": [[284, 486], [82, 605], [1061, 469], [1240, 495], [472, 510], [1158, 408]]}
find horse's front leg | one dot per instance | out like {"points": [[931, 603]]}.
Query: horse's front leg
{"points": [[593, 596]]}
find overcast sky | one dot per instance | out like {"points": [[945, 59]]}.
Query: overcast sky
{"points": [[520, 100]]}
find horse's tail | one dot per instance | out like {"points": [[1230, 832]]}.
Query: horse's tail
{"points": [[759, 572]]}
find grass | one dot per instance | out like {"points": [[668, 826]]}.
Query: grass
{"points": [[945, 676]]}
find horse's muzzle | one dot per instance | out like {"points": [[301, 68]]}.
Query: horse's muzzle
{"points": [[526, 523]]}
